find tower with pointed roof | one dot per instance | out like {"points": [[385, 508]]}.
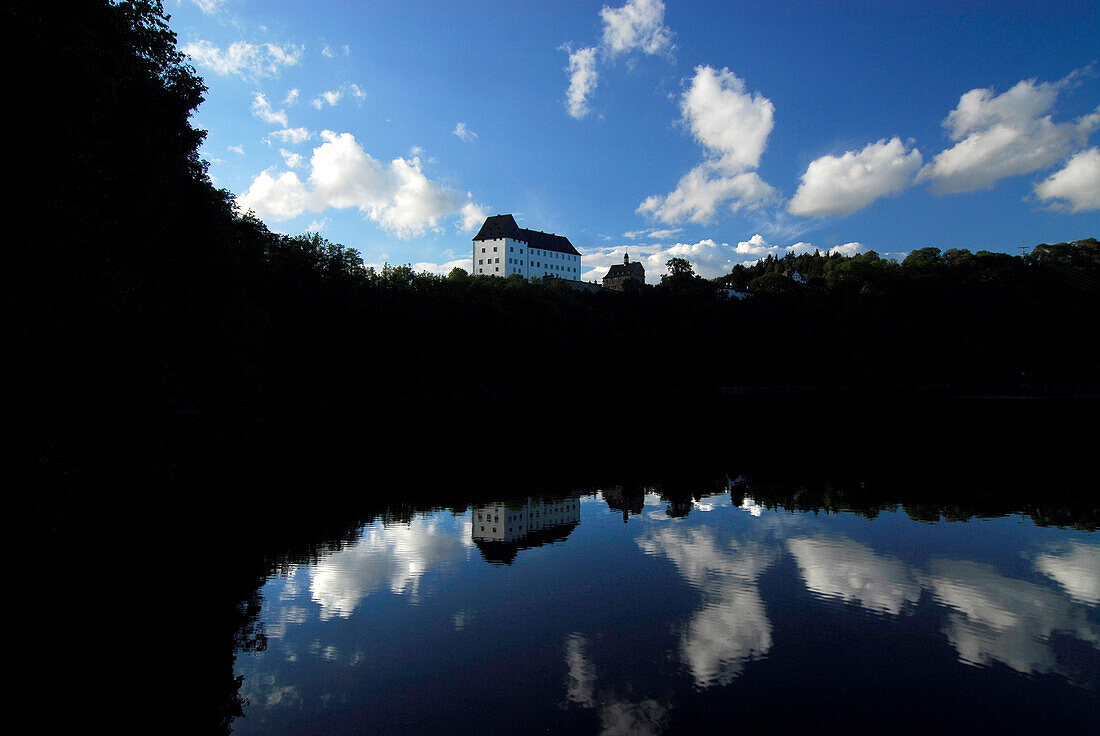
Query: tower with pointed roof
{"points": [[617, 276]]}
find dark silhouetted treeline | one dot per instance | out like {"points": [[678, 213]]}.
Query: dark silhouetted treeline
{"points": [[154, 326], [191, 397]]}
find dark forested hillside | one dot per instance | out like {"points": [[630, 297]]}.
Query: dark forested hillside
{"points": [[153, 325]]}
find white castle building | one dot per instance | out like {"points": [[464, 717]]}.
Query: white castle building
{"points": [[503, 248]]}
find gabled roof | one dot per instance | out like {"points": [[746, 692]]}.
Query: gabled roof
{"points": [[496, 227], [634, 270], [504, 226], [505, 552]]}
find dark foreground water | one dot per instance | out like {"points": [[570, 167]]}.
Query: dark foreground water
{"points": [[794, 563], [618, 611]]}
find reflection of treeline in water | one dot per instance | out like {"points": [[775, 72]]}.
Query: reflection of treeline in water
{"points": [[155, 324], [310, 489], [1046, 507]]}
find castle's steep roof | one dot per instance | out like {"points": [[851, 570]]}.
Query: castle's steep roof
{"points": [[505, 552], [633, 269], [504, 226], [496, 227]]}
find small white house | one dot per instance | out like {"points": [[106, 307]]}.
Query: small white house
{"points": [[503, 248]]}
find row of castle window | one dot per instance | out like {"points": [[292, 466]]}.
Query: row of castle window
{"points": [[492, 517], [536, 252], [536, 264], [518, 517]]}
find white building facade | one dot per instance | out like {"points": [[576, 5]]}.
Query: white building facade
{"points": [[503, 248], [511, 523]]}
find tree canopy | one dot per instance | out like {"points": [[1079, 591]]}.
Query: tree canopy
{"points": [[157, 325]]}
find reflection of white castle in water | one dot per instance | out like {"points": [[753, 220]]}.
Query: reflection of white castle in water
{"points": [[500, 529]]}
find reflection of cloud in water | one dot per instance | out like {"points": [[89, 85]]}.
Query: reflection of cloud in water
{"points": [[699, 559], [393, 557], [732, 627], [461, 618], [623, 718], [262, 688], [283, 618], [995, 618], [618, 717], [749, 504], [841, 568], [580, 677], [1076, 567]]}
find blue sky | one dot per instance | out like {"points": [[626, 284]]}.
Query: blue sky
{"points": [[721, 132]]}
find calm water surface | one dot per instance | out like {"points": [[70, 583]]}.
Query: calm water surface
{"points": [[603, 613]]}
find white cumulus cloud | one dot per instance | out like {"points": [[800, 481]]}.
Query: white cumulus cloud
{"points": [[1077, 184], [728, 121], [292, 160], [583, 78], [464, 134], [275, 197], [399, 197], [841, 185], [262, 109], [291, 135], [209, 6], [733, 127], [473, 215], [709, 258], [1004, 135], [330, 98], [848, 249], [244, 59], [638, 25], [700, 191], [801, 248]]}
